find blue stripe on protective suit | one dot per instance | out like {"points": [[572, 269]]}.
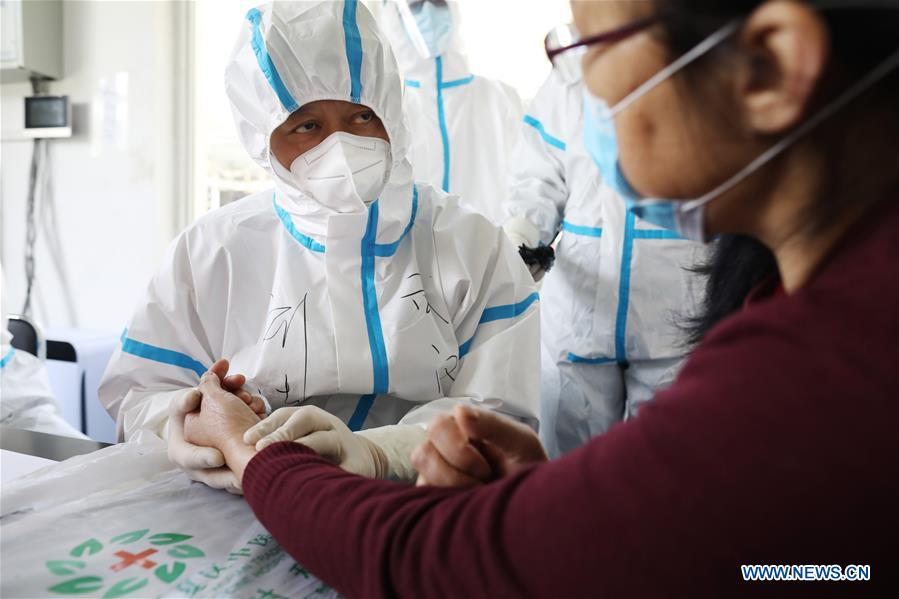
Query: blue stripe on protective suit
{"points": [[376, 345], [510, 311], [457, 82], [465, 347], [160, 354], [441, 120], [500, 313], [624, 284], [353, 49], [656, 234], [441, 84], [385, 250], [304, 240], [581, 230], [624, 287], [553, 141], [266, 64], [7, 357], [582, 360]]}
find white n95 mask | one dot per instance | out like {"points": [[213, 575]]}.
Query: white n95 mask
{"points": [[341, 171]]}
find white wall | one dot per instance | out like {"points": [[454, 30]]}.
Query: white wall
{"points": [[114, 180], [504, 39]]}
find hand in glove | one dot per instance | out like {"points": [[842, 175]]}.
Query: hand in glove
{"points": [[380, 452], [202, 464], [524, 236], [206, 464], [324, 433]]}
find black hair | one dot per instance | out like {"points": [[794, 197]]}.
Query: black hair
{"points": [[860, 38]]}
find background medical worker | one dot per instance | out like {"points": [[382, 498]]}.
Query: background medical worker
{"points": [[463, 127], [777, 442], [620, 288], [349, 294], [26, 398]]}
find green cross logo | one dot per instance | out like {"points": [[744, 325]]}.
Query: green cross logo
{"points": [[151, 555]]}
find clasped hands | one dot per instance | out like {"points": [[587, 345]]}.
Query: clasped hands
{"points": [[215, 429]]}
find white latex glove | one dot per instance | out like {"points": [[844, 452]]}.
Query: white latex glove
{"points": [[375, 453], [521, 232], [202, 464]]}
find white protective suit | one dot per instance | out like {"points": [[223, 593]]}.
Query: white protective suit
{"points": [[464, 127], [612, 302], [382, 314], [26, 399]]}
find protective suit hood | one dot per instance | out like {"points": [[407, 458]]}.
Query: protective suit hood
{"points": [[289, 54]]}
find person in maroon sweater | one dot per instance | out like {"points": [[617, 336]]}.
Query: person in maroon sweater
{"points": [[779, 441]]}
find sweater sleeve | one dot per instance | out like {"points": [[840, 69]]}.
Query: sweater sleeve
{"points": [[717, 472]]}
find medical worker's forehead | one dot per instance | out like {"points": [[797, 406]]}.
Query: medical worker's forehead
{"points": [[596, 16], [337, 107]]}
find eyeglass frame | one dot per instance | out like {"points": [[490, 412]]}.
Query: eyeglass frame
{"points": [[615, 35]]}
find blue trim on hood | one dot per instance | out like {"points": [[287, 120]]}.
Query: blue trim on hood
{"points": [[353, 49], [304, 240], [385, 250], [266, 64]]}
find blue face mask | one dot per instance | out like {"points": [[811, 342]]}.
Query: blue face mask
{"points": [[599, 137], [683, 217], [687, 216], [435, 24]]}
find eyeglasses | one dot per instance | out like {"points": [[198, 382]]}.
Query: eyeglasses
{"points": [[564, 48]]}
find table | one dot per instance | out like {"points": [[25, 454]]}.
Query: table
{"points": [[45, 445]]}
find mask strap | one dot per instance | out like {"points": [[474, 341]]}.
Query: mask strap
{"points": [[685, 59], [878, 73]]}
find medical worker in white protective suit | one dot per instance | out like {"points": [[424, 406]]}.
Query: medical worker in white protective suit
{"points": [[349, 294], [26, 399], [463, 126], [611, 304]]}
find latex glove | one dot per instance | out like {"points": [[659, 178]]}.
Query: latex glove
{"points": [[324, 433], [397, 442], [521, 232], [202, 464], [389, 447], [471, 447]]}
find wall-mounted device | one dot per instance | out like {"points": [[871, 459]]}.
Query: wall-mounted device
{"points": [[48, 116], [31, 40]]}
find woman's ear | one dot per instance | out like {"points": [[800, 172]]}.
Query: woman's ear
{"points": [[787, 45]]}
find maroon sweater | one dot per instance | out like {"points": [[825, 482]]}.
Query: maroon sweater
{"points": [[778, 444]]}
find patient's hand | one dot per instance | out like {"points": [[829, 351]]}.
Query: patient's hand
{"points": [[222, 419], [234, 383], [471, 447]]}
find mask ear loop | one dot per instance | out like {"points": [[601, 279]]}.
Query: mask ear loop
{"points": [[685, 59], [876, 74]]}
